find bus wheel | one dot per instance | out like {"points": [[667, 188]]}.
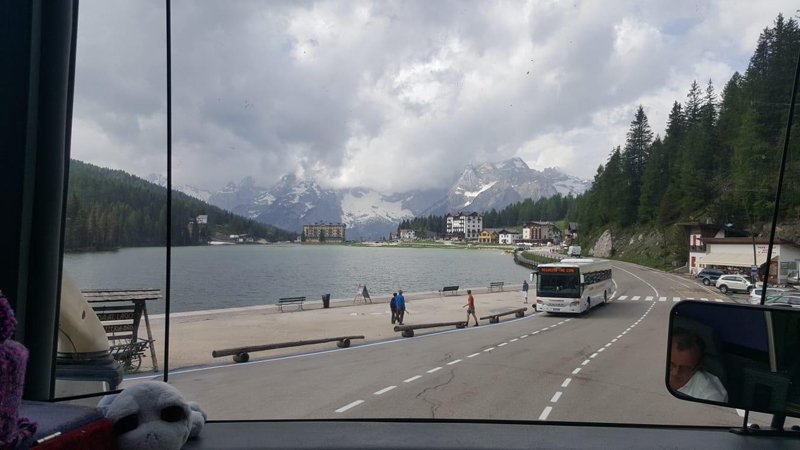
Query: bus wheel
{"points": [[588, 305], [605, 297]]}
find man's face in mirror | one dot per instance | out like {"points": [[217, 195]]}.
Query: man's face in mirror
{"points": [[683, 365]]}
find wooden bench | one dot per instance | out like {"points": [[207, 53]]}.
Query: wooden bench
{"points": [[453, 289], [242, 354], [496, 284], [408, 330], [495, 317], [120, 312], [291, 301]]}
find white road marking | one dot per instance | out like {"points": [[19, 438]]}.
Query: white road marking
{"points": [[575, 372], [593, 355], [545, 413], [504, 343], [602, 349], [623, 297], [535, 332], [585, 362], [523, 336], [619, 336], [662, 299], [489, 349], [435, 369], [649, 298], [415, 377], [454, 362], [608, 345], [635, 297], [566, 382], [349, 405], [514, 340], [385, 390], [561, 322], [640, 278], [473, 355], [556, 397], [545, 328], [676, 299], [615, 340]]}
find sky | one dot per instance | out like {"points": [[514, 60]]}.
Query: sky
{"points": [[388, 95]]}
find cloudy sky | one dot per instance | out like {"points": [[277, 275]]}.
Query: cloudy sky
{"points": [[390, 95]]}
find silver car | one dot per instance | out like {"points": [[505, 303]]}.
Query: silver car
{"points": [[727, 283], [772, 292]]}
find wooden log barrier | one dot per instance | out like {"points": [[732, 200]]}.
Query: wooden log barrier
{"points": [[242, 354]]}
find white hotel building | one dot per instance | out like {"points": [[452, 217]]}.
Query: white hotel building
{"points": [[466, 225]]}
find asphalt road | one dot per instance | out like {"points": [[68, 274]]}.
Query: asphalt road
{"points": [[607, 366]]}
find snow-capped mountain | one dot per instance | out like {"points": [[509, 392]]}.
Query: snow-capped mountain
{"points": [[293, 202], [489, 185], [187, 189]]}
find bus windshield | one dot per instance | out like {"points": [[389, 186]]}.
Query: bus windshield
{"points": [[567, 285]]}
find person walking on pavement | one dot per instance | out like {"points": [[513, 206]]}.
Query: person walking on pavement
{"points": [[393, 307], [525, 290], [471, 307], [400, 304]]}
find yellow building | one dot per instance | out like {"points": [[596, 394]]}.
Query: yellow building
{"points": [[324, 232], [488, 237]]}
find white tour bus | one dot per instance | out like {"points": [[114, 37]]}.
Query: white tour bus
{"points": [[573, 285]]}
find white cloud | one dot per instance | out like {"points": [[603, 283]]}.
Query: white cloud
{"points": [[391, 95]]}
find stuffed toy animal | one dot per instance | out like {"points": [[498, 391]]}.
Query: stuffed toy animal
{"points": [[152, 416], [13, 357]]}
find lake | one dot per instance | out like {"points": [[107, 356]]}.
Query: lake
{"points": [[212, 277]]}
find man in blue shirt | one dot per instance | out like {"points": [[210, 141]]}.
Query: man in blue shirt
{"points": [[400, 304]]}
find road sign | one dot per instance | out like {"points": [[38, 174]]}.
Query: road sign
{"points": [[754, 270]]}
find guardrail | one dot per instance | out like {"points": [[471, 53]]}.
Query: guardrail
{"points": [[408, 330], [242, 354]]}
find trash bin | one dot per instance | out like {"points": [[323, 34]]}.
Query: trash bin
{"points": [[326, 300]]}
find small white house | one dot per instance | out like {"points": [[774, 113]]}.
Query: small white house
{"points": [[407, 234], [507, 237]]}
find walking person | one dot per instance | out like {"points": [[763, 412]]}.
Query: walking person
{"points": [[400, 304], [393, 307], [471, 307], [525, 290]]}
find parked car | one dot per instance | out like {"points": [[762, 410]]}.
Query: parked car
{"points": [[727, 283], [792, 277], [709, 276], [772, 292], [786, 300]]}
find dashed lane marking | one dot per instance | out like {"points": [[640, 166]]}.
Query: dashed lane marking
{"points": [[635, 297], [556, 397], [575, 372], [649, 298], [473, 355], [489, 349], [662, 299], [384, 390], [545, 413], [566, 382], [415, 377], [514, 340], [349, 405], [454, 362], [676, 299], [435, 369], [504, 343], [585, 362], [623, 297]]}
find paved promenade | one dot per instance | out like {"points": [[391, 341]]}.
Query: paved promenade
{"points": [[195, 334]]}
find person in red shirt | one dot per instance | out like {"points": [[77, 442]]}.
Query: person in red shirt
{"points": [[471, 307]]}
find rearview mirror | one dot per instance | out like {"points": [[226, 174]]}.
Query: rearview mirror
{"points": [[741, 356]]}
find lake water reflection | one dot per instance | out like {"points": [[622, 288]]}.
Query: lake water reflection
{"points": [[243, 275]]}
